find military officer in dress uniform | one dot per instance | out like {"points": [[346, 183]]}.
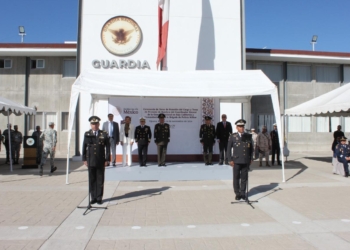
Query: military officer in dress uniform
{"points": [[161, 138], [143, 135], [207, 138], [343, 154], [96, 156], [240, 154]]}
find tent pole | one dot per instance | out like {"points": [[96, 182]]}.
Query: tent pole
{"points": [[67, 170], [282, 150], [8, 130]]}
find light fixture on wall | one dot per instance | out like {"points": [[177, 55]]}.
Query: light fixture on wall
{"points": [[22, 32], [313, 42]]}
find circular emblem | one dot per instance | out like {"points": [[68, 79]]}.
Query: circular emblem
{"points": [[121, 35], [30, 141]]}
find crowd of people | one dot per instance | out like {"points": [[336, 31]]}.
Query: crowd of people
{"points": [[341, 149], [46, 145]]}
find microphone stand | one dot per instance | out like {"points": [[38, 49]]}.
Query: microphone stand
{"points": [[89, 207]]}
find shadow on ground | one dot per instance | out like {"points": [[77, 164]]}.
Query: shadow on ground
{"points": [[142, 194], [327, 159]]}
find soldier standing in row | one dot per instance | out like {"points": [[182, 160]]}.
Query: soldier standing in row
{"points": [[207, 138], [161, 138], [143, 135], [7, 142], [49, 140], [39, 146], [263, 143], [240, 154], [275, 145], [96, 156], [17, 143], [343, 154]]}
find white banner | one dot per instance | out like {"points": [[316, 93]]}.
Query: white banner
{"points": [[183, 115]]}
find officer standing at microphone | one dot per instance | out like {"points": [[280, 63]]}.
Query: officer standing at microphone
{"points": [[240, 155], [96, 156]]}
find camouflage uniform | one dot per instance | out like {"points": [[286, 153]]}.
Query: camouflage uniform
{"points": [[263, 142], [49, 139], [16, 146]]}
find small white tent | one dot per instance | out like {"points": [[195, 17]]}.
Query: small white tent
{"points": [[173, 84], [335, 102], [8, 107]]}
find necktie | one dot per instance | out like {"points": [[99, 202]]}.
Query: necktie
{"points": [[95, 133]]}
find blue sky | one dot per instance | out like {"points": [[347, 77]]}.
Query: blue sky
{"points": [[274, 24]]}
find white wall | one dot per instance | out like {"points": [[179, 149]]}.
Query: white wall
{"points": [[203, 35]]}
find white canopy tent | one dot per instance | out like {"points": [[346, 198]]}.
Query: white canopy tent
{"points": [[173, 84], [8, 107], [333, 103]]}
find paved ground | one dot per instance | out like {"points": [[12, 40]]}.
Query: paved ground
{"points": [[183, 206]]}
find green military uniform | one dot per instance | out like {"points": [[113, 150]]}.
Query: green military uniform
{"points": [[207, 137], [161, 138]]}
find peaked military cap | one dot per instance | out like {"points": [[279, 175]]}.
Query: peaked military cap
{"points": [[275, 124], [343, 138], [51, 123], [142, 119], [252, 129], [207, 118], [240, 122], [161, 115], [94, 119]]}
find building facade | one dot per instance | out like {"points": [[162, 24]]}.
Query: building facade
{"points": [[41, 76]]}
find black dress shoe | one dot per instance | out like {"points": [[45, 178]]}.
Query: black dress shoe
{"points": [[206, 164], [113, 164], [346, 175], [159, 165], [210, 163], [145, 165], [238, 197], [93, 201], [221, 163], [164, 165], [243, 197], [226, 163], [53, 169], [99, 202]]}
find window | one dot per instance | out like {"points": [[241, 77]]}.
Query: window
{"points": [[69, 68], [272, 71], [327, 73], [36, 120], [299, 124], [38, 64], [249, 65], [42, 119], [64, 121], [5, 63], [346, 124], [322, 124], [335, 121], [299, 73]]}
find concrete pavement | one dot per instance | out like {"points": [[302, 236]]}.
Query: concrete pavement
{"points": [[183, 206]]}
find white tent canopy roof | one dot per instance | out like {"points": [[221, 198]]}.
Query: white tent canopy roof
{"points": [[14, 108], [173, 84], [336, 102]]}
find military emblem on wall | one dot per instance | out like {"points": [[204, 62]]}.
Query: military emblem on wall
{"points": [[121, 36]]}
